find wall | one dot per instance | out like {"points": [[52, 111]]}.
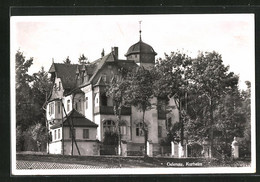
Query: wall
{"points": [[65, 99], [174, 114], [109, 69], [85, 147], [150, 118], [55, 147], [114, 118], [97, 121], [89, 94], [79, 103], [79, 133]]}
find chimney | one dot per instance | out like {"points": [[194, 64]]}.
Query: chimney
{"points": [[115, 51], [103, 53]]}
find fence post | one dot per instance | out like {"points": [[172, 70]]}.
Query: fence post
{"points": [[149, 149], [180, 150], [235, 148], [174, 149]]}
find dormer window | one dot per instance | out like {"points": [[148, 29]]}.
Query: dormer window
{"points": [[59, 88], [104, 77], [51, 108], [68, 105]]}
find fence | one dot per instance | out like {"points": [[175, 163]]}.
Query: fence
{"points": [[108, 149]]}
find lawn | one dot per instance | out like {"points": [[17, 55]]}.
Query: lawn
{"points": [[130, 162]]}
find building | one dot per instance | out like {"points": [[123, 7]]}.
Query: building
{"points": [[78, 99]]}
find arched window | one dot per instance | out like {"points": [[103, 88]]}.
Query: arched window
{"points": [[78, 105], [123, 128], [109, 126], [139, 129]]}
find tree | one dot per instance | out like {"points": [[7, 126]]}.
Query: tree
{"points": [[83, 59], [139, 94], [40, 89], [67, 61], [31, 92], [117, 91], [171, 80], [23, 91], [229, 119], [246, 107], [209, 81]]}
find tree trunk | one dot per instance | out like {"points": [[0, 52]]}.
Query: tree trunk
{"points": [[145, 134], [211, 125], [119, 134]]}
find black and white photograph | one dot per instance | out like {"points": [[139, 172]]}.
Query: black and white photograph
{"points": [[133, 94]]}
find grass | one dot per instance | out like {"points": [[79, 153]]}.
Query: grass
{"points": [[130, 162]]}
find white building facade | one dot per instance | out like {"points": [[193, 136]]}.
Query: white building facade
{"points": [[78, 103]]}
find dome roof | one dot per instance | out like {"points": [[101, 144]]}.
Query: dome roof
{"points": [[140, 47]]}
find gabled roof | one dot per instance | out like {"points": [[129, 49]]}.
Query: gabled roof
{"points": [[100, 82], [79, 120], [100, 63], [67, 73]]}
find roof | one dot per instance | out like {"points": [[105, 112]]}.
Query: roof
{"points": [[67, 73], [140, 47], [127, 64], [79, 120], [100, 63]]}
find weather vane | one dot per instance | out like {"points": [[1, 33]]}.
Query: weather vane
{"points": [[140, 31]]}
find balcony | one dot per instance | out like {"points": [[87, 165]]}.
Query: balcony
{"points": [[109, 110]]}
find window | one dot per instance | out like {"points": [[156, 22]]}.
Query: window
{"points": [[159, 131], [73, 133], [51, 108], [78, 105], [59, 134], [104, 77], [68, 105], [59, 108], [109, 126], [123, 130], [86, 102], [59, 86], [50, 136], [139, 129], [55, 134], [86, 133], [104, 100]]}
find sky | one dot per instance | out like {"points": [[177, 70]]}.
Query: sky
{"points": [[48, 38]]}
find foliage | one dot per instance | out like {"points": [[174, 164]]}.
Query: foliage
{"points": [[40, 88], [246, 107], [110, 138], [140, 93], [117, 91], [34, 138], [209, 82], [172, 76], [31, 92], [67, 61], [23, 90], [83, 59]]}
